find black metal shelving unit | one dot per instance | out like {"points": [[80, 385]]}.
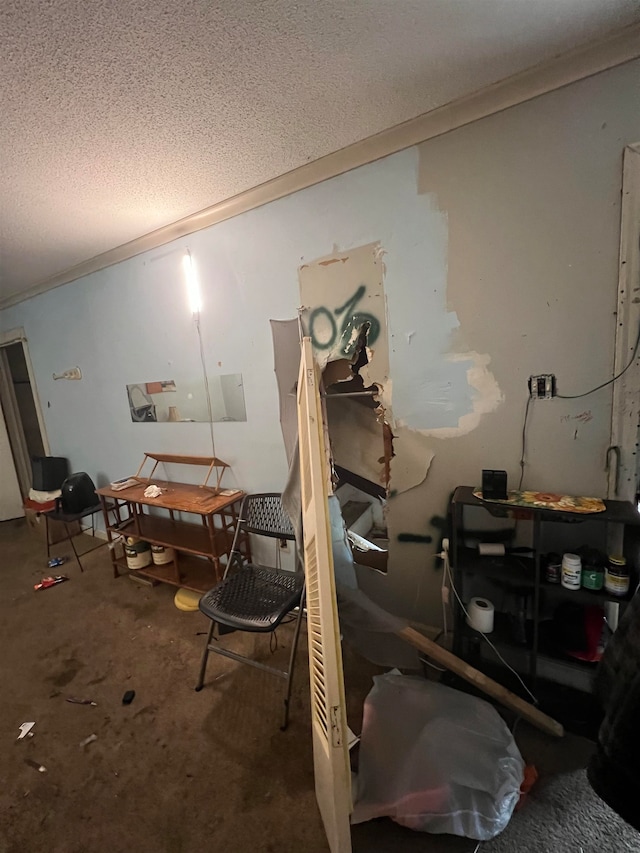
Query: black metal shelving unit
{"points": [[524, 574]]}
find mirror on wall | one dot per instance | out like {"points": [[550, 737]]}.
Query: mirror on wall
{"points": [[169, 401]]}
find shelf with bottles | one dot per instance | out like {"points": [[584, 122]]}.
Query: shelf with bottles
{"points": [[516, 582]]}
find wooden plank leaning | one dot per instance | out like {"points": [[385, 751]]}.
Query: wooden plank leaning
{"points": [[454, 664]]}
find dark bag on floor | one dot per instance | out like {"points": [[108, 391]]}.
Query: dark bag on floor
{"points": [[614, 770]]}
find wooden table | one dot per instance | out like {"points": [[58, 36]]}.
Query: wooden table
{"points": [[199, 547]]}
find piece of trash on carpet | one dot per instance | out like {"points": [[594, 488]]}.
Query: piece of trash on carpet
{"points": [[75, 701], [87, 741], [54, 562], [128, 697], [45, 583], [25, 729], [39, 767], [530, 778]]}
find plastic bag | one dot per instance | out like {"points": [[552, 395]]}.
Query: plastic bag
{"points": [[435, 759]]}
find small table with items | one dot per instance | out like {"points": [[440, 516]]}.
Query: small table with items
{"points": [[188, 554]]}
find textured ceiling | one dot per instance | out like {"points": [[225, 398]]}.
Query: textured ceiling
{"points": [[120, 116]]}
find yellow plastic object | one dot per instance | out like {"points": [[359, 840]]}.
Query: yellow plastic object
{"points": [[187, 600]]}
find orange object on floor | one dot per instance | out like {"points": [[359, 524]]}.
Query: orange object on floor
{"points": [[530, 779]]}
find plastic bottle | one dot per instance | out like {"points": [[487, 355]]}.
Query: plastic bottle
{"points": [[553, 571], [616, 578], [571, 571], [592, 574]]}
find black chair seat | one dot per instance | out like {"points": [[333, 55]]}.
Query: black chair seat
{"points": [[253, 599], [70, 517]]}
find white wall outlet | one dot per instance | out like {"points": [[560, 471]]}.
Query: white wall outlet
{"points": [[542, 387]]}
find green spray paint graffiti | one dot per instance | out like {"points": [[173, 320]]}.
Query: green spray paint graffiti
{"points": [[414, 537], [324, 329]]}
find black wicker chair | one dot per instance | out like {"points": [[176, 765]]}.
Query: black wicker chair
{"points": [[254, 598]]}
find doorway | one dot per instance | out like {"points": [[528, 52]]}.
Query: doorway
{"points": [[22, 432]]}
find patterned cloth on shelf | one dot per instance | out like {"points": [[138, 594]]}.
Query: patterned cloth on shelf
{"points": [[547, 500]]}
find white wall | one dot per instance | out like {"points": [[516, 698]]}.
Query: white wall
{"points": [[501, 238]]}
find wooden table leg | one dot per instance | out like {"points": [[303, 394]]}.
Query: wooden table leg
{"points": [[107, 527]]}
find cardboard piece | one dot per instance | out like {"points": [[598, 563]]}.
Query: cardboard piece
{"points": [[57, 533]]}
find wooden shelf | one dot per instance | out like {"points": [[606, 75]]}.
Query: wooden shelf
{"points": [[180, 497], [196, 573], [192, 542], [182, 535]]}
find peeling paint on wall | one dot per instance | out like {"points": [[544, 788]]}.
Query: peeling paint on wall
{"points": [[412, 461], [485, 395]]}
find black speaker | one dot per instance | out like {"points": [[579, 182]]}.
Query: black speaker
{"points": [[78, 493], [49, 472], [494, 485]]}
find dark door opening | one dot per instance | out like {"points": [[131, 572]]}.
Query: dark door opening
{"points": [[20, 411]]}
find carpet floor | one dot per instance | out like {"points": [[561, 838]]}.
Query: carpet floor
{"points": [[178, 771], [563, 814]]}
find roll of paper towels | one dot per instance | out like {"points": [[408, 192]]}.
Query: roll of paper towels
{"points": [[491, 549], [480, 616]]}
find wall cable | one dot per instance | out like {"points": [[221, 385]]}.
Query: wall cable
{"points": [[448, 575], [524, 442], [484, 636], [445, 629], [609, 381], [615, 378], [206, 382]]}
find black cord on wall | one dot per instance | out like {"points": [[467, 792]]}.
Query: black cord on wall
{"points": [[609, 381], [572, 397]]}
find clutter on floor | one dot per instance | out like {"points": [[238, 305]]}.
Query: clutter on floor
{"points": [[187, 600], [451, 767], [135, 635], [50, 581]]}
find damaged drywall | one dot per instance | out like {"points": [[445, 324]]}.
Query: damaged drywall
{"points": [[439, 393], [412, 459], [344, 312], [357, 438], [340, 295]]}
